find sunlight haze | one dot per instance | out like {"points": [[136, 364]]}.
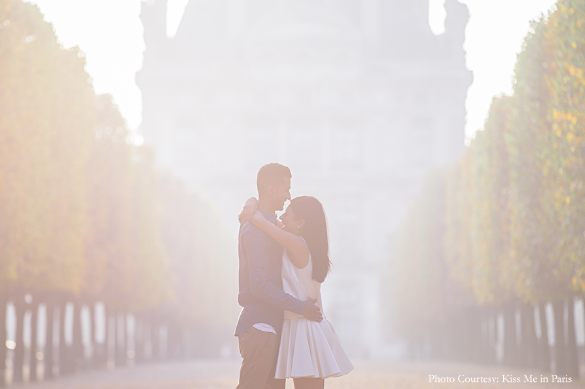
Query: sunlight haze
{"points": [[110, 33]]}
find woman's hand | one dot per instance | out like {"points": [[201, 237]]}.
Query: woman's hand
{"points": [[249, 210]]}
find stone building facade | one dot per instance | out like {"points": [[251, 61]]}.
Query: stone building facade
{"points": [[358, 97]]}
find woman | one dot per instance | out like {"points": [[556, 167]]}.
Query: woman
{"points": [[309, 351]]}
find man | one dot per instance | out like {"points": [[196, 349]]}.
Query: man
{"points": [[261, 294]]}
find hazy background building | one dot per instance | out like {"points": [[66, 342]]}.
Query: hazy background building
{"points": [[358, 97]]}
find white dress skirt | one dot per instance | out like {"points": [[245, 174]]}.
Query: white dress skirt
{"points": [[307, 348]]}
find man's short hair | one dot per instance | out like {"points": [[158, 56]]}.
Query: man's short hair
{"points": [[272, 174]]}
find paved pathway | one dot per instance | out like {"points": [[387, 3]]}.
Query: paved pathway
{"points": [[223, 374]]}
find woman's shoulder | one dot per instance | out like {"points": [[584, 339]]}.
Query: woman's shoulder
{"points": [[309, 264], [303, 239]]}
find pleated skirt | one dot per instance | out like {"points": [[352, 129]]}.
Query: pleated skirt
{"points": [[310, 349]]}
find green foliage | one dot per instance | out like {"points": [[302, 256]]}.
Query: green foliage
{"points": [[46, 105], [514, 208], [418, 269], [564, 163], [110, 176], [203, 277], [547, 157], [489, 209], [82, 209], [147, 282]]}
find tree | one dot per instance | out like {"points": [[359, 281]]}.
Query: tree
{"points": [[515, 213], [46, 104], [201, 276]]}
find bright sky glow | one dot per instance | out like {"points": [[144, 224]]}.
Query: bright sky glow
{"points": [[175, 9], [495, 35], [110, 33]]}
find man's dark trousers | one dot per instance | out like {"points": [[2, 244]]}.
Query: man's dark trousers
{"points": [[260, 352], [263, 302]]}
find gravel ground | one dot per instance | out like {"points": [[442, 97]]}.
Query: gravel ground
{"points": [[367, 375]]}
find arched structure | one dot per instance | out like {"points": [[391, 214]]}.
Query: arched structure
{"points": [[358, 97]]}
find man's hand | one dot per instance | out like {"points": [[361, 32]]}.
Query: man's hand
{"points": [[312, 311]]}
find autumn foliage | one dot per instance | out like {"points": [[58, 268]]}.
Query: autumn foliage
{"points": [[84, 214], [509, 235]]}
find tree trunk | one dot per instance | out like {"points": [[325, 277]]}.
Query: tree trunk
{"points": [[510, 342], [572, 354], [49, 349], [543, 349], [173, 342], [62, 347], [125, 340], [122, 350], [145, 339], [34, 319], [77, 343], [435, 343], [20, 307], [149, 337], [454, 348], [493, 335], [138, 339], [440, 342], [65, 357], [3, 305], [434, 352], [193, 344], [155, 338], [475, 339], [529, 340], [560, 349], [93, 346], [108, 337], [116, 338], [416, 348], [486, 336]]}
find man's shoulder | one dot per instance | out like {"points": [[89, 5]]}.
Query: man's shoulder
{"points": [[249, 232]]}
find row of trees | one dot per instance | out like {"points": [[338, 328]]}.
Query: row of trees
{"points": [[501, 234], [86, 218]]}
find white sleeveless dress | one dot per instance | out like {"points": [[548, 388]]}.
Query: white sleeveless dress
{"points": [[307, 348]]}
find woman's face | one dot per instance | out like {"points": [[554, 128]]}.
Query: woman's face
{"points": [[290, 221]]}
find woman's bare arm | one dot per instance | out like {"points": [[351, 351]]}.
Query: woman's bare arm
{"points": [[297, 249]]}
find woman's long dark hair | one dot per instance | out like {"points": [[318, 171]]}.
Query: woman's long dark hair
{"points": [[314, 231]]}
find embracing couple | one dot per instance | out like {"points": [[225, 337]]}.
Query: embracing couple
{"points": [[282, 330]]}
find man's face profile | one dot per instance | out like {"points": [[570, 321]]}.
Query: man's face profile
{"points": [[281, 194]]}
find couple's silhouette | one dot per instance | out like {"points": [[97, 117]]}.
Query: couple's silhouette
{"points": [[282, 330]]}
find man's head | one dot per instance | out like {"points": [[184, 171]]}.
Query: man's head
{"points": [[273, 183]]}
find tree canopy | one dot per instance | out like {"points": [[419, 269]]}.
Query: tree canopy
{"points": [[84, 210], [513, 214]]}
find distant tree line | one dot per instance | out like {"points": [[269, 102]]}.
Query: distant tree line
{"points": [[496, 240], [86, 220]]}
